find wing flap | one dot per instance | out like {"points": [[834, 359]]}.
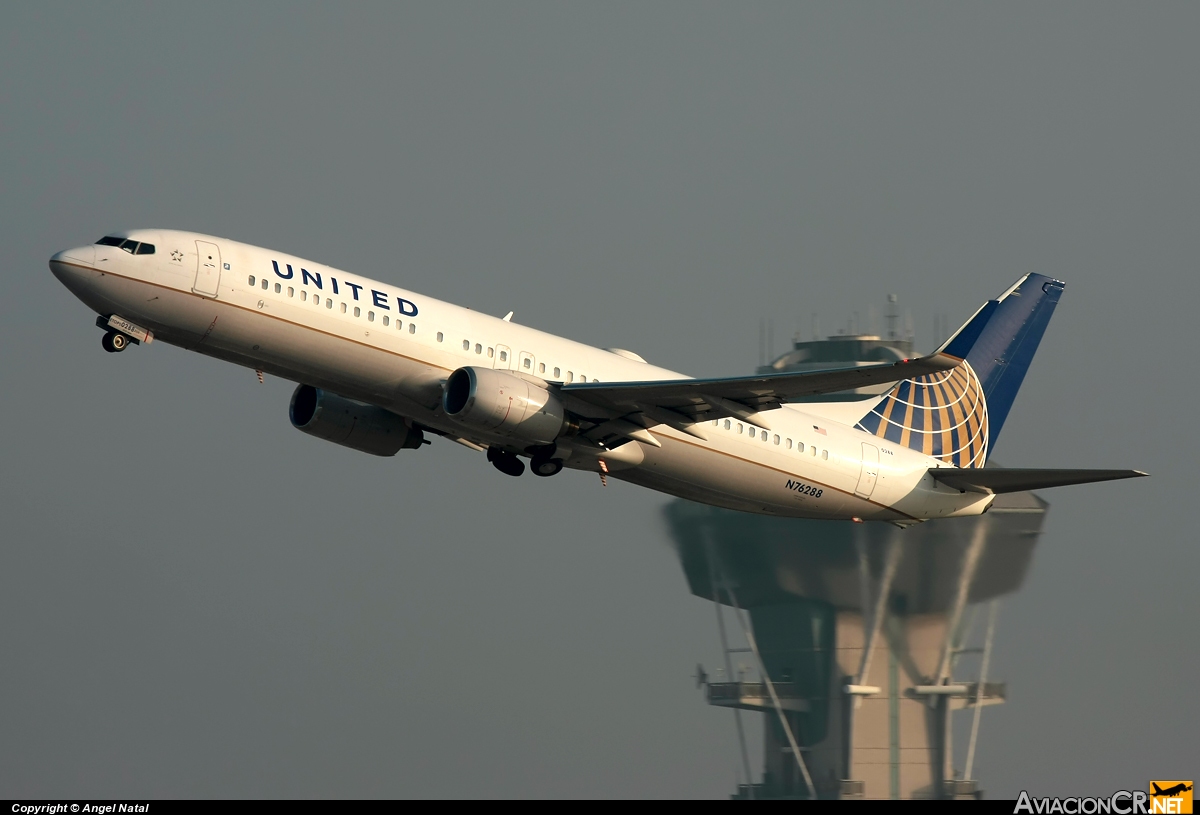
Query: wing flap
{"points": [[1003, 479]]}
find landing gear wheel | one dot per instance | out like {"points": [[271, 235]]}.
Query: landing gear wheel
{"points": [[114, 342], [546, 467], [505, 462]]}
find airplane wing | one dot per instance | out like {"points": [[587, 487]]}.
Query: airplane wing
{"points": [[1018, 480], [626, 409]]}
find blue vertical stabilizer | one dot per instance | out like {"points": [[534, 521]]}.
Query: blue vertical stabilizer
{"points": [[957, 415]]}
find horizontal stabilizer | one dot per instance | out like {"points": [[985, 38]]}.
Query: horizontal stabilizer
{"points": [[1002, 479]]}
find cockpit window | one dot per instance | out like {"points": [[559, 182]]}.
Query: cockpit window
{"points": [[130, 246]]}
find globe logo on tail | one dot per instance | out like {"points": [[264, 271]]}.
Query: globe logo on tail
{"points": [[943, 415]]}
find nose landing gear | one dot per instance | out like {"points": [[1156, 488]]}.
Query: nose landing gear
{"points": [[120, 333], [114, 342]]}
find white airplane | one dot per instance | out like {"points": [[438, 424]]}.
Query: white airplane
{"points": [[380, 368]]}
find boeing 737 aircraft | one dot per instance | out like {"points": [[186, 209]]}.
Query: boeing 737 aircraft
{"points": [[379, 369], [1172, 791]]}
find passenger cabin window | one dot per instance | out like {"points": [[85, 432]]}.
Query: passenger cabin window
{"points": [[825, 455], [386, 320], [491, 352], [789, 444], [570, 376], [303, 296], [478, 348], [370, 316], [812, 451], [777, 439], [764, 437], [291, 292], [528, 364], [439, 336], [557, 373], [357, 311], [343, 308], [251, 280], [466, 345], [412, 328], [727, 425], [541, 367], [329, 302], [278, 288], [504, 356], [265, 283], [739, 428]]}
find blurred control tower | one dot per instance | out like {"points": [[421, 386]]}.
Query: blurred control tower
{"points": [[861, 640]]}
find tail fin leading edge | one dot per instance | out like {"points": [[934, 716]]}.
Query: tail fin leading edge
{"points": [[957, 415]]}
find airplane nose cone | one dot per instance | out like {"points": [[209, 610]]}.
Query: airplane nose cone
{"points": [[66, 263], [85, 255]]}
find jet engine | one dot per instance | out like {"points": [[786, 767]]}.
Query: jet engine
{"points": [[502, 403], [351, 424]]}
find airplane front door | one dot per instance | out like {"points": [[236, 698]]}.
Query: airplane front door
{"points": [[870, 471], [208, 269]]}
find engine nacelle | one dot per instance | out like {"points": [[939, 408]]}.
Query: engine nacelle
{"points": [[349, 423], [501, 403]]}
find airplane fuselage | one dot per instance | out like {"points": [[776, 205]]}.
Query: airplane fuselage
{"points": [[380, 344]]}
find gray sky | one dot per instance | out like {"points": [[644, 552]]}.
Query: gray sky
{"points": [[196, 600]]}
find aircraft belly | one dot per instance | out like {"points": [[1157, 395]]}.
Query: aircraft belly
{"points": [[272, 343], [354, 368], [690, 470], [144, 303]]}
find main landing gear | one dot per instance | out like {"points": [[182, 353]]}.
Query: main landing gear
{"points": [[509, 464], [505, 461], [546, 467], [114, 342]]}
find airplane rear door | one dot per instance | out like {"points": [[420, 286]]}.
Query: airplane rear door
{"points": [[870, 471], [208, 269]]}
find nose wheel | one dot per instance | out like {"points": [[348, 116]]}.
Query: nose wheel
{"points": [[114, 342]]}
